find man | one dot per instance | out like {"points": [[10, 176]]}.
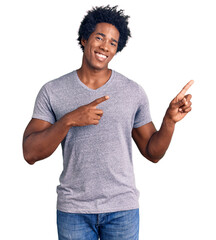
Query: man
{"points": [[93, 112]]}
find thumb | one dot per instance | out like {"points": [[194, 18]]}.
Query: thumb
{"points": [[181, 103]]}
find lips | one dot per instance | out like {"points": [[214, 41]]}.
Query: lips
{"points": [[101, 57]]}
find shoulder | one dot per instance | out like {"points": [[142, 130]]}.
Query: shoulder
{"points": [[133, 89], [127, 82], [58, 86], [60, 82]]}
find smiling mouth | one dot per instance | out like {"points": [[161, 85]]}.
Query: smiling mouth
{"points": [[101, 57]]}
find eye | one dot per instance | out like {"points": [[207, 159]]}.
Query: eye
{"points": [[113, 44], [99, 38]]}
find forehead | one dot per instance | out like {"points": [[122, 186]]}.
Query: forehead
{"points": [[108, 30]]}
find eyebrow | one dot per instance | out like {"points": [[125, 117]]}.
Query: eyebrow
{"points": [[103, 35]]}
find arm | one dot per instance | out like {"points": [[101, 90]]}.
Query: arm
{"points": [[154, 144], [41, 138]]}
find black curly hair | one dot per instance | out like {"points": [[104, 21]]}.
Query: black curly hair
{"points": [[105, 14]]}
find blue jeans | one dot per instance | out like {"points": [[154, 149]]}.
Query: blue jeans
{"points": [[122, 225]]}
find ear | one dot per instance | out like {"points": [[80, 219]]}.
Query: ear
{"points": [[83, 42]]}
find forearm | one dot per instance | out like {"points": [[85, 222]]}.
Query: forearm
{"points": [[160, 140], [42, 144]]}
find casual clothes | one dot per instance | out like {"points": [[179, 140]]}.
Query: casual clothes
{"points": [[122, 225], [98, 175]]}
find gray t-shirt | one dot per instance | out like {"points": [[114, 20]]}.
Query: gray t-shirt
{"points": [[98, 174]]}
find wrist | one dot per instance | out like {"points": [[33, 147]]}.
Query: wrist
{"points": [[168, 122], [67, 120]]}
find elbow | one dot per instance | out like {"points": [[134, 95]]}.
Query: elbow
{"points": [[154, 155], [32, 156], [28, 158], [27, 154], [30, 162], [153, 158]]}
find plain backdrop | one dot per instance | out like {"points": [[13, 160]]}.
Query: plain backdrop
{"points": [[172, 42]]}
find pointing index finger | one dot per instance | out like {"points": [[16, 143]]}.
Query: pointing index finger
{"points": [[98, 101], [184, 89]]}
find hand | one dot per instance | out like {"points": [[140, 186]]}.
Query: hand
{"points": [[87, 114], [180, 105]]}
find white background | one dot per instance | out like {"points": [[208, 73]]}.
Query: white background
{"points": [[172, 42]]}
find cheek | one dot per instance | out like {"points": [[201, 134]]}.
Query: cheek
{"points": [[87, 51], [113, 52]]}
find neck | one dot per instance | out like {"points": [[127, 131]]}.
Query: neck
{"points": [[87, 74], [93, 76]]}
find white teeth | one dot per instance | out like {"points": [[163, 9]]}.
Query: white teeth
{"points": [[101, 55]]}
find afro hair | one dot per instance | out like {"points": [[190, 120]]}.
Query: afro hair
{"points": [[109, 15]]}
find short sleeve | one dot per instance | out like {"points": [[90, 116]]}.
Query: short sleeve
{"points": [[43, 109], [142, 115]]}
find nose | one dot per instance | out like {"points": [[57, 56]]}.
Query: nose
{"points": [[104, 46]]}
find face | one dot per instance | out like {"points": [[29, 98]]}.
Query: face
{"points": [[101, 46]]}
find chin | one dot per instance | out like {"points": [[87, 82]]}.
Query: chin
{"points": [[99, 67]]}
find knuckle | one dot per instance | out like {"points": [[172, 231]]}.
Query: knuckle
{"points": [[188, 110], [172, 106]]}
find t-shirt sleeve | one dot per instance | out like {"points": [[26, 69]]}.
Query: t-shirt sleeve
{"points": [[42, 108], [142, 115]]}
